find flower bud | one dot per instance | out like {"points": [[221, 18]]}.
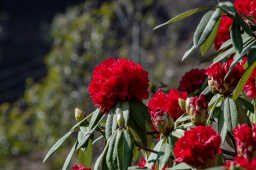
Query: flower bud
{"points": [[198, 109], [211, 85], [182, 104], [162, 121], [120, 118], [79, 114]]}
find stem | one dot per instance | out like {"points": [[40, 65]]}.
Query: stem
{"points": [[146, 149]]}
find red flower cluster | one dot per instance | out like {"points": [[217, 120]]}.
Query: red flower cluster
{"points": [[250, 86], [245, 137], [143, 162], [241, 162], [118, 80], [80, 167], [223, 32], [247, 7], [217, 72], [192, 80], [199, 147], [198, 109], [167, 103]]}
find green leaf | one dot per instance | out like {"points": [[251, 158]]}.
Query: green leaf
{"points": [[246, 104], [166, 148], [98, 139], [126, 111], [236, 37], [201, 26], [188, 52], [178, 133], [120, 152], [251, 56], [206, 90], [181, 166], [227, 114], [85, 155], [214, 100], [153, 157], [244, 25], [109, 123], [140, 123], [243, 81], [209, 27], [209, 41], [109, 161], [96, 115], [114, 123], [182, 16], [56, 146], [224, 55], [118, 139], [216, 168], [101, 158], [86, 134], [222, 126], [69, 157], [233, 113], [128, 149], [228, 8]]}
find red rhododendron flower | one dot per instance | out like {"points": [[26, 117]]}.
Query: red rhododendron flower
{"points": [[143, 162], [217, 72], [118, 80], [192, 80], [198, 147], [198, 109], [241, 162], [245, 137], [80, 167], [250, 86], [247, 7], [223, 32], [167, 103]]}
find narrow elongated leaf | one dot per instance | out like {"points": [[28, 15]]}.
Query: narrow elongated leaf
{"points": [[126, 111], [109, 161], [56, 146], [128, 149], [166, 148], [222, 126], [96, 115], [69, 157], [251, 56], [120, 152], [243, 81], [109, 123], [98, 139], [82, 138], [244, 25], [209, 27], [201, 26], [153, 156], [206, 90], [227, 114], [114, 123], [246, 104], [216, 168], [181, 166], [233, 112], [118, 139], [182, 16], [224, 55], [236, 37], [188, 52], [101, 158], [85, 155], [209, 41], [214, 100]]}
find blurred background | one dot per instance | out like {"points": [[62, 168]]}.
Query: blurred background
{"points": [[48, 50]]}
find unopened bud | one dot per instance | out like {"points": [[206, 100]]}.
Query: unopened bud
{"points": [[212, 86], [120, 118], [182, 104], [198, 109], [162, 121], [187, 105], [79, 114]]}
